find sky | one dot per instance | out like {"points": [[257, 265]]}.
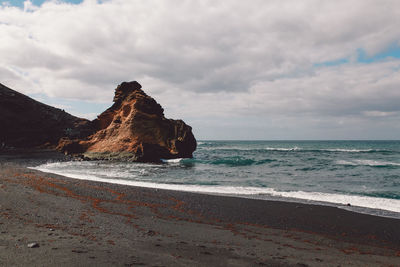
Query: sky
{"points": [[237, 70]]}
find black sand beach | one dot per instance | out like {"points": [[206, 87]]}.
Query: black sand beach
{"points": [[84, 223]]}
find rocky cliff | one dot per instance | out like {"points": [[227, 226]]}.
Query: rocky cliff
{"points": [[26, 123], [133, 128], [135, 123]]}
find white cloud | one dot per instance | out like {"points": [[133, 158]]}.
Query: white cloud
{"points": [[204, 59]]}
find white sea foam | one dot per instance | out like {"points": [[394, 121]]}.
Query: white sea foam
{"points": [[322, 149], [392, 205], [347, 150], [172, 160], [282, 148], [253, 148], [367, 162], [96, 169], [291, 149]]}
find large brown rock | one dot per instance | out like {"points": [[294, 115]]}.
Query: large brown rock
{"points": [[27, 123], [134, 128]]}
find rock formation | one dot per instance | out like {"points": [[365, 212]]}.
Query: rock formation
{"points": [[26, 123], [133, 128]]}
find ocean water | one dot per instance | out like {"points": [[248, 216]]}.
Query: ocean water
{"points": [[364, 174]]}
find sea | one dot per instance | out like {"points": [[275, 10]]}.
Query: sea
{"points": [[361, 176]]}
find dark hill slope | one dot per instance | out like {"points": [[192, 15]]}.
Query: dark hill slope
{"points": [[25, 122]]}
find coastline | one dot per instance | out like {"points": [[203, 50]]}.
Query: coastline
{"points": [[77, 222], [381, 207]]}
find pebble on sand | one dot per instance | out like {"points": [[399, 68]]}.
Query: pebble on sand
{"points": [[33, 245]]}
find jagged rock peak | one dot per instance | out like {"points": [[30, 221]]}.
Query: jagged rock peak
{"points": [[131, 91], [126, 89], [135, 127]]}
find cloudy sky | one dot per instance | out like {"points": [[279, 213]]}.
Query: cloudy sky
{"points": [[230, 69]]}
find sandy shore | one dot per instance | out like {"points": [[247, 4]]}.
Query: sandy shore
{"points": [[83, 223]]}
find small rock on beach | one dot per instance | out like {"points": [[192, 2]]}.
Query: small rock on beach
{"points": [[33, 245]]}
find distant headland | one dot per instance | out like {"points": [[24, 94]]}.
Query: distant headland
{"points": [[134, 128]]}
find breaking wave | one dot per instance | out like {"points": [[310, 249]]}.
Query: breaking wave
{"points": [[298, 149], [367, 162]]}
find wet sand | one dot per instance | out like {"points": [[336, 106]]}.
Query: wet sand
{"points": [[84, 223]]}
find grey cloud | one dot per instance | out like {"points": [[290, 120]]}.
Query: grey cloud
{"points": [[228, 58]]}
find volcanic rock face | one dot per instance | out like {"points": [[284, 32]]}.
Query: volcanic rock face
{"points": [[134, 128], [26, 123]]}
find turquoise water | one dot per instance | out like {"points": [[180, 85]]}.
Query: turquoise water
{"points": [[365, 174], [369, 168]]}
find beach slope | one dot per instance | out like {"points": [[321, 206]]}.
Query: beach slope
{"points": [[84, 223]]}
